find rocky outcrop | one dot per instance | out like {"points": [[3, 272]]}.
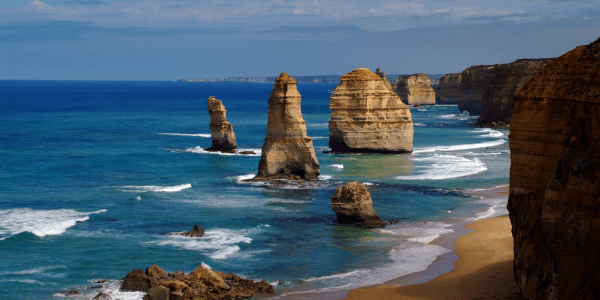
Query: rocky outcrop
{"points": [[202, 283], [195, 232], [554, 199], [471, 89], [448, 90], [502, 82], [287, 152], [366, 117], [353, 205], [221, 131], [386, 81], [415, 89]]}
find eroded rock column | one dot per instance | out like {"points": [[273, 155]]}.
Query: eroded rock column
{"points": [[415, 89], [353, 205], [221, 131]]}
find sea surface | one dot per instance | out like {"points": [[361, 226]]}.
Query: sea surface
{"points": [[95, 175]]}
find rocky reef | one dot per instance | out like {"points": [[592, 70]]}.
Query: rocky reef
{"points": [[470, 94], [353, 205], [449, 87], [501, 83], [202, 283], [554, 199], [287, 152], [415, 89], [386, 81], [366, 117], [221, 131]]}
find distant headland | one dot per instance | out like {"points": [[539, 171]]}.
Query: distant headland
{"points": [[300, 79]]}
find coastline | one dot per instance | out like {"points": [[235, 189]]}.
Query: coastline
{"points": [[479, 263]]}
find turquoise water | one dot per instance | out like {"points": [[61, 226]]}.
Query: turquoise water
{"points": [[94, 175]]}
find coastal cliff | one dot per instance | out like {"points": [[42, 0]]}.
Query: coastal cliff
{"points": [[221, 131], [367, 117], [287, 152], [415, 89], [502, 82], [471, 89], [449, 87], [555, 179]]}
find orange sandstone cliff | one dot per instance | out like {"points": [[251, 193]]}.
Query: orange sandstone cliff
{"points": [[554, 200]]}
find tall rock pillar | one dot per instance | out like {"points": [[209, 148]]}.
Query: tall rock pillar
{"points": [[287, 152], [221, 131]]}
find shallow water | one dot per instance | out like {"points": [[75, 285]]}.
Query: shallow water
{"points": [[94, 175]]}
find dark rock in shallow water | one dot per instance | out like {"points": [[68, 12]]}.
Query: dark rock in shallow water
{"points": [[247, 152], [202, 283], [137, 280], [353, 205], [195, 232], [102, 296]]}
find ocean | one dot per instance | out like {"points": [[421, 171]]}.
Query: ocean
{"points": [[94, 175]]}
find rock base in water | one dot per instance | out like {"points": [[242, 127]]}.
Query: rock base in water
{"points": [[195, 232], [353, 205], [221, 131], [202, 283]]}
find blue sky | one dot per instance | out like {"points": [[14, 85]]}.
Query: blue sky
{"points": [[172, 39]]}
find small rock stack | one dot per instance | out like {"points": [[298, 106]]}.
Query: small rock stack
{"points": [[221, 131], [202, 283], [415, 89], [353, 205]]}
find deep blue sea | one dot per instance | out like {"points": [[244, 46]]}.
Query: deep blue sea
{"points": [[95, 175]]}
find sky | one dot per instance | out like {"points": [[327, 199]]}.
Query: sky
{"points": [[174, 39]]}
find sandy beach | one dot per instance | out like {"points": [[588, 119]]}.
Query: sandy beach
{"points": [[483, 269]]}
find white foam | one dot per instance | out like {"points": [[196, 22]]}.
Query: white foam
{"points": [[40, 222], [216, 243], [200, 150], [446, 167], [367, 183], [447, 116], [338, 166], [320, 137], [112, 289], [421, 109], [325, 177], [490, 133], [204, 135], [156, 188], [35, 271], [423, 232], [460, 147], [419, 124]]}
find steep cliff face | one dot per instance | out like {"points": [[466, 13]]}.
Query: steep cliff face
{"points": [[221, 131], [502, 82], [366, 117], [415, 89], [386, 81], [554, 200], [449, 86], [287, 152], [471, 89]]}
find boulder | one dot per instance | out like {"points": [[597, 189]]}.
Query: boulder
{"points": [[287, 153], [501, 83], [195, 232], [366, 117], [353, 205], [158, 293], [208, 277], [221, 131], [156, 271], [415, 89], [554, 195], [470, 94], [448, 90], [137, 280]]}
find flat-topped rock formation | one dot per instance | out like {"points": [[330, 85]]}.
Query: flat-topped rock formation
{"points": [[386, 81], [353, 205], [366, 117], [555, 179], [287, 152], [202, 283], [471, 89], [221, 131], [448, 90], [415, 89], [502, 82]]}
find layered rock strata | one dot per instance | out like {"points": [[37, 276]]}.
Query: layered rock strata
{"points": [[471, 89], [366, 117], [448, 90], [287, 152], [353, 205], [202, 283], [415, 89], [386, 81], [501, 83], [221, 131], [554, 200]]}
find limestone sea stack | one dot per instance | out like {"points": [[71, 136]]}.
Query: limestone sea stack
{"points": [[448, 90], [415, 89], [353, 205], [221, 131], [366, 117], [502, 82], [554, 199], [471, 89], [287, 152], [386, 81]]}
